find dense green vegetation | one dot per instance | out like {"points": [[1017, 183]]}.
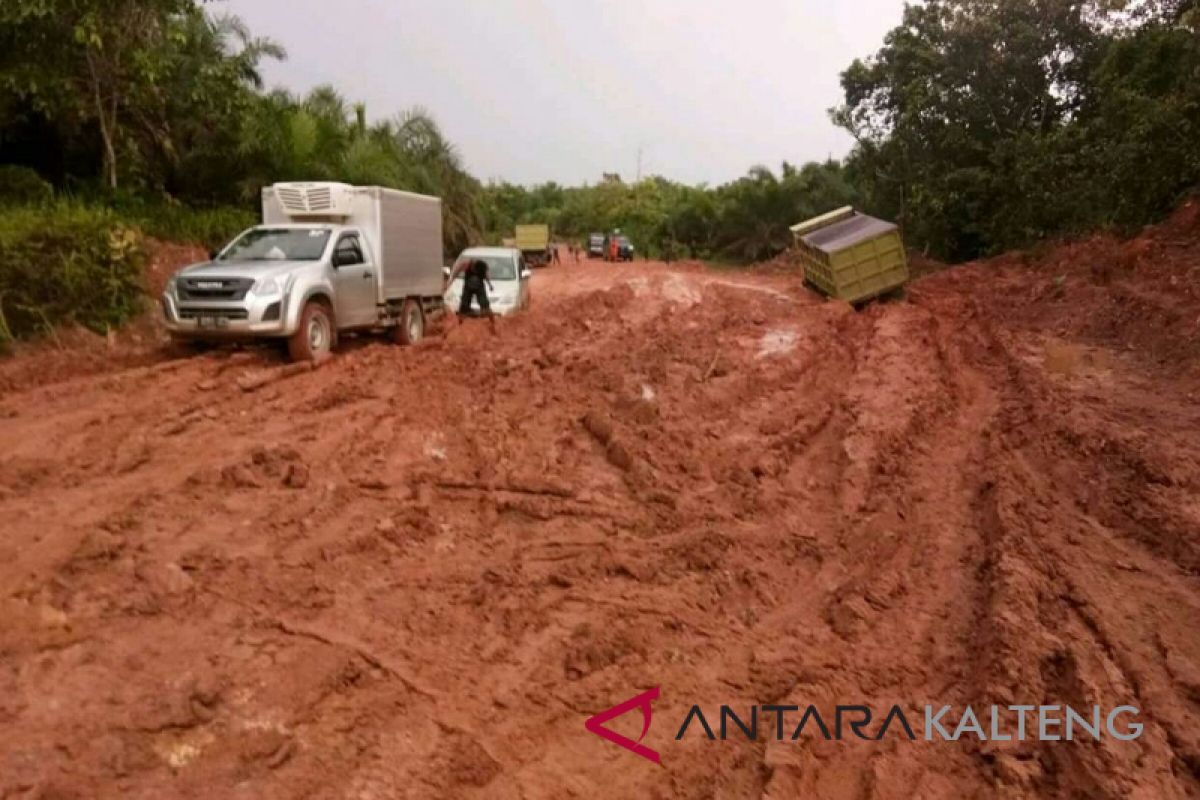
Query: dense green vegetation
{"points": [[980, 125], [142, 102], [984, 125], [746, 220], [66, 262]]}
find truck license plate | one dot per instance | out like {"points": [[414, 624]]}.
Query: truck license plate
{"points": [[211, 322]]}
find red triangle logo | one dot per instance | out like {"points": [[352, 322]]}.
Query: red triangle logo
{"points": [[642, 701]]}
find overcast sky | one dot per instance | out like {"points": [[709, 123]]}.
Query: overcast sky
{"points": [[565, 90]]}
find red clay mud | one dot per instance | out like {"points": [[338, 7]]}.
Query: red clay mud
{"points": [[417, 572]]}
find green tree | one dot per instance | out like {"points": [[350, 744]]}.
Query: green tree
{"points": [[84, 60], [154, 86], [986, 124]]}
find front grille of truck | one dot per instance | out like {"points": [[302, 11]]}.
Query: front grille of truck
{"points": [[223, 313], [210, 289]]}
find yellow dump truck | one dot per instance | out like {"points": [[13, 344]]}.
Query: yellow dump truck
{"points": [[534, 243], [851, 256]]}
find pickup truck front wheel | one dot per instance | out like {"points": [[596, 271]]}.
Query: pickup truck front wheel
{"points": [[313, 340]]}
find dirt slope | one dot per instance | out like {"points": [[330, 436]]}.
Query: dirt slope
{"points": [[414, 573]]}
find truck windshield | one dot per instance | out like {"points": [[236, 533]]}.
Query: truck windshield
{"points": [[500, 268], [278, 244]]}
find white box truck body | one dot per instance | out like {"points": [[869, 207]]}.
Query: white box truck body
{"points": [[403, 230]]}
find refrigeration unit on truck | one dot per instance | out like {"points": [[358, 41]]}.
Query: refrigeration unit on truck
{"points": [[534, 243], [327, 258]]}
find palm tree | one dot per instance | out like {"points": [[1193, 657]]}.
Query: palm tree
{"points": [[434, 165], [322, 138], [250, 50]]}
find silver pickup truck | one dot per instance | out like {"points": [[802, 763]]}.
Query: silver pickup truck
{"points": [[328, 258]]}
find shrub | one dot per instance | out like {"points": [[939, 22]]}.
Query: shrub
{"points": [[67, 263], [170, 220], [208, 227], [23, 186]]}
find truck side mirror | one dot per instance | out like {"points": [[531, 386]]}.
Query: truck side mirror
{"points": [[526, 274], [212, 254], [446, 271]]}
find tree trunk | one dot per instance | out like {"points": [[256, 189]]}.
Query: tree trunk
{"points": [[110, 154], [107, 119]]}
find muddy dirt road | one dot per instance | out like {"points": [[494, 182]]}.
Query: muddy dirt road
{"points": [[415, 573]]}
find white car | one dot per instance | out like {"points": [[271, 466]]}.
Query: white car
{"points": [[509, 274]]}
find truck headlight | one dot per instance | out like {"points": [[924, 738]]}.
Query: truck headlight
{"points": [[172, 282], [266, 287]]}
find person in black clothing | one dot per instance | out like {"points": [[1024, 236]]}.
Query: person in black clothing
{"points": [[474, 280]]}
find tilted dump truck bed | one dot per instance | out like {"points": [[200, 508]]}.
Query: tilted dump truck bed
{"points": [[851, 256]]}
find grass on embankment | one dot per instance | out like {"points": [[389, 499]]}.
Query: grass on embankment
{"points": [[68, 262]]}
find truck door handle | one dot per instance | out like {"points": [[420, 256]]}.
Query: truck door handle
{"points": [[367, 275]]}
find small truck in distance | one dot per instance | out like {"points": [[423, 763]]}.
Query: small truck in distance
{"points": [[595, 245], [534, 243], [327, 258]]}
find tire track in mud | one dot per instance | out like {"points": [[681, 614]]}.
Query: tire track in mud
{"points": [[897, 627], [1064, 570]]}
